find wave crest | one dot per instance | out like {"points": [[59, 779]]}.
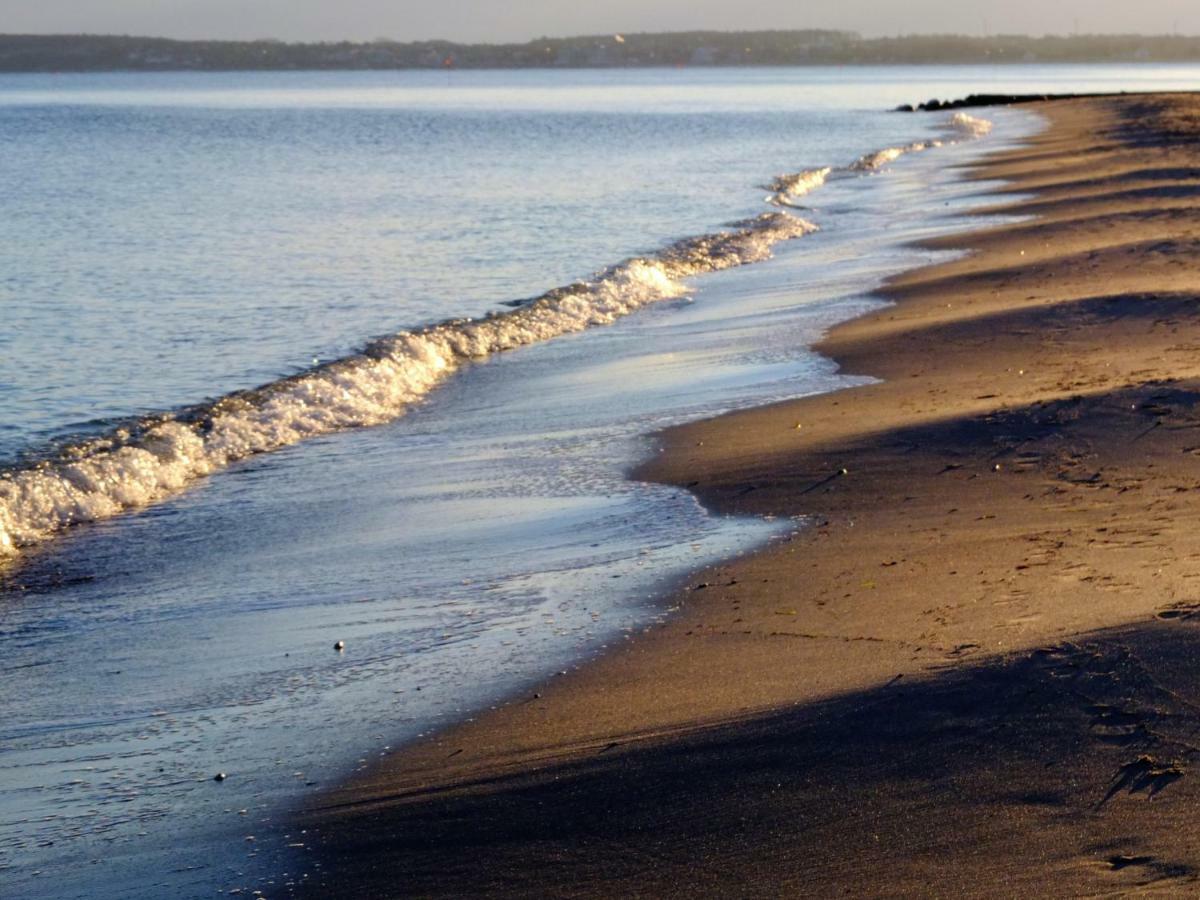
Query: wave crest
{"points": [[969, 125], [786, 188], [873, 162], [159, 456]]}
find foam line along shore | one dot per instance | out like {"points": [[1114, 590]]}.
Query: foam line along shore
{"points": [[155, 457]]}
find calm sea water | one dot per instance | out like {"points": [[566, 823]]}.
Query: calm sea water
{"points": [[173, 591]]}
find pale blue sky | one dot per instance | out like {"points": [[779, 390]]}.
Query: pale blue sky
{"points": [[515, 20]]}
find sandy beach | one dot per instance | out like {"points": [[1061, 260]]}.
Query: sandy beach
{"points": [[975, 672]]}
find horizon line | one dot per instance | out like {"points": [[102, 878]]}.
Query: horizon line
{"points": [[610, 35]]}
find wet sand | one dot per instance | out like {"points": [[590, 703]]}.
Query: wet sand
{"points": [[975, 673]]}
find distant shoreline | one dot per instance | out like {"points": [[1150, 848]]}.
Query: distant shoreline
{"points": [[703, 49]]}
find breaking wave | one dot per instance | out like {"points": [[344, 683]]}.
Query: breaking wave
{"points": [[872, 162], [155, 457], [786, 189], [968, 125]]}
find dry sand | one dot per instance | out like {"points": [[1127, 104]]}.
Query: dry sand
{"points": [[976, 674]]}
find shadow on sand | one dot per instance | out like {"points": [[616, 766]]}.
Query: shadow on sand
{"points": [[1069, 763]]}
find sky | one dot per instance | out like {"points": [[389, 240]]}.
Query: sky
{"points": [[520, 20]]}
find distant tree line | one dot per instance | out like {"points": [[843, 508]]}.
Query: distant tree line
{"points": [[74, 53]]}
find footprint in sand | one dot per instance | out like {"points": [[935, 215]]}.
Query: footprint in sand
{"points": [[963, 650], [1123, 861], [1148, 866], [1179, 612], [1144, 775], [1121, 727]]}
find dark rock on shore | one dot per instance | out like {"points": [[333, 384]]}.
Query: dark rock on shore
{"points": [[972, 100]]}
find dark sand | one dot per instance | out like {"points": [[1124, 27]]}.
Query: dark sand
{"points": [[977, 674]]}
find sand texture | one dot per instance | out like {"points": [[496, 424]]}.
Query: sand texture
{"points": [[977, 671]]}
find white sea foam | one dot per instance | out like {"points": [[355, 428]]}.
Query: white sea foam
{"points": [[971, 126], [786, 189], [966, 126], [873, 162], [157, 457]]}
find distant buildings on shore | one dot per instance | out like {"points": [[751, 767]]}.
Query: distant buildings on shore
{"points": [[63, 53]]}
